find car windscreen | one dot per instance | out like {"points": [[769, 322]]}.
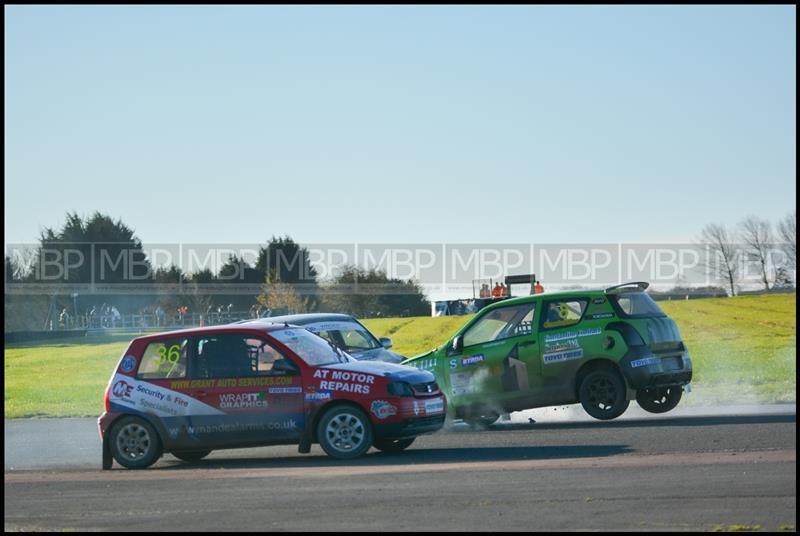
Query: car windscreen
{"points": [[314, 350], [637, 304], [349, 336]]}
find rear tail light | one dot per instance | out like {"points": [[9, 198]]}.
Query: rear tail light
{"points": [[107, 399]]}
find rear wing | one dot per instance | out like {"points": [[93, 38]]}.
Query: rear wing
{"points": [[624, 288]]}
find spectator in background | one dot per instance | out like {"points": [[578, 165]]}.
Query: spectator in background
{"points": [[484, 293], [497, 291], [159, 314], [503, 290], [538, 288], [115, 316]]}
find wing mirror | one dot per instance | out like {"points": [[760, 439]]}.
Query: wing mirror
{"points": [[386, 342]]}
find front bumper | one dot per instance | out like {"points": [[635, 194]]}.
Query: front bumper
{"points": [[644, 369], [410, 427]]}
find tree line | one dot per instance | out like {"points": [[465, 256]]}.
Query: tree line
{"points": [[753, 240], [61, 273]]}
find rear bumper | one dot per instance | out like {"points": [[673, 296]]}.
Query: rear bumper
{"points": [[643, 369], [104, 421], [410, 427]]}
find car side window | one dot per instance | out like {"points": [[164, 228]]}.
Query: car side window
{"points": [[501, 323], [234, 355], [164, 360], [559, 314]]}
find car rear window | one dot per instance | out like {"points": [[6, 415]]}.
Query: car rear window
{"points": [[636, 304], [164, 359]]}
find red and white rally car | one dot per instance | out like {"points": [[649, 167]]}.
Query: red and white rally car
{"points": [[192, 391]]}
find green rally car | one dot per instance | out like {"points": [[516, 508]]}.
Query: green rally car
{"points": [[601, 348]]}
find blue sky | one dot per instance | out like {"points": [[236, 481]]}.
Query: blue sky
{"points": [[400, 124]]}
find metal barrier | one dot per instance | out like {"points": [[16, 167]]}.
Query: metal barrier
{"points": [[146, 321]]}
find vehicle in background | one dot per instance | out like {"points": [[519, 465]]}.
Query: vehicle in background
{"points": [[344, 331], [192, 391], [601, 348]]}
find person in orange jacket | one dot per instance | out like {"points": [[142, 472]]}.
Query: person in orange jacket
{"points": [[497, 291]]}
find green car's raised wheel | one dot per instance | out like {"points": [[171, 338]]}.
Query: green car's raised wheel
{"points": [[602, 394], [344, 432], [134, 443], [482, 420], [659, 399]]}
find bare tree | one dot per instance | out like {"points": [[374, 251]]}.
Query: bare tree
{"points": [[277, 295], [721, 261], [757, 236], [787, 234]]}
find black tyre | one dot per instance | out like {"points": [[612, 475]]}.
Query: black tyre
{"points": [[602, 394], [392, 445], [191, 455], [659, 399], [344, 432], [482, 420], [134, 443]]}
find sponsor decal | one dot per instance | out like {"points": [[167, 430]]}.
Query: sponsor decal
{"points": [[572, 334], [285, 390], [427, 364], [461, 383], [318, 396], [600, 315], [558, 346], [259, 381], [348, 382], [453, 363], [128, 363], [560, 357], [599, 301], [151, 398], [331, 326], [242, 400], [382, 409], [147, 391], [158, 408], [122, 389], [434, 406], [472, 360], [645, 362], [232, 428]]}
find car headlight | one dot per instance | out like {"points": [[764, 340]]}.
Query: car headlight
{"points": [[400, 389]]}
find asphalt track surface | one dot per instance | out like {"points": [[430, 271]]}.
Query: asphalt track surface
{"points": [[692, 469]]}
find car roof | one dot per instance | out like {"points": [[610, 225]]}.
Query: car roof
{"points": [[222, 328], [635, 286], [300, 319]]}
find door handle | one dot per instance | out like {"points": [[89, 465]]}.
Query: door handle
{"points": [[527, 343]]}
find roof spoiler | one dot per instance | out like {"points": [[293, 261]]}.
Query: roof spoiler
{"points": [[634, 286]]}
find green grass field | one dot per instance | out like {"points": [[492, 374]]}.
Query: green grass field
{"points": [[743, 350]]}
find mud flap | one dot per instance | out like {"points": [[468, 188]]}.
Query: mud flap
{"points": [[108, 459]]}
